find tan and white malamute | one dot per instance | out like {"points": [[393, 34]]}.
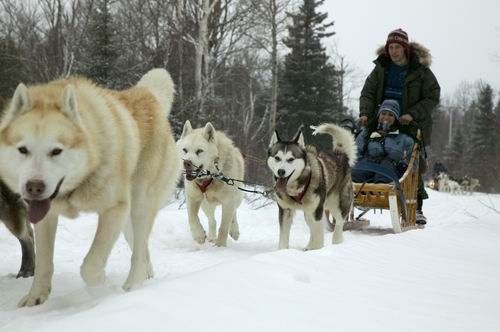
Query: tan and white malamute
{"points": [[70, 146], [313, 181], [205, 149]]}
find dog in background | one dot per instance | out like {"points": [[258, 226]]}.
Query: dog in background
{"points": [[445, 184]]}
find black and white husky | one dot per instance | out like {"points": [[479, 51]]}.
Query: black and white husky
{"points": [[13, 215], [312, 181]]}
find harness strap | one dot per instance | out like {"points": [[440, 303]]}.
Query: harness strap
{"points": [[298, 198]]}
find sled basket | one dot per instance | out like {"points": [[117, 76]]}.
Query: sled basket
{"points": [[399, 196]]}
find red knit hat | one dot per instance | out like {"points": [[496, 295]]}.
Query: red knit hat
{"points": [[400, 37]]}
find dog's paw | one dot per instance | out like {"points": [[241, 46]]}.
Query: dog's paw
{"points": [[200, 238], [221, 242], [313, 246], [34, 298], [129, 286], [234, 232], [92, 275], [198, 234], [136, 278], [212, 236], [337, 238], [151, 272], [26, 272]]}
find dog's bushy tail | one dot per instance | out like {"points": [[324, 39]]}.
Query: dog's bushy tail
{"points": [[159, 82], [343, 140]]}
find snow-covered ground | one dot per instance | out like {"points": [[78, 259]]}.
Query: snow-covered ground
{"points": [[445, 277]]}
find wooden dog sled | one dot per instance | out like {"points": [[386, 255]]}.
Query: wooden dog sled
{"points": [[399, 196]]}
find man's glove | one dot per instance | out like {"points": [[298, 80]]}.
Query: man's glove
{"points": [[362, 121], [405, 119]]}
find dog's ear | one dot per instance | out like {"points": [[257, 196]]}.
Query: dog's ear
{"points": [[299, 138], [69, 105], [187, 128], [275, 138], [20, 104], [209, 132]]}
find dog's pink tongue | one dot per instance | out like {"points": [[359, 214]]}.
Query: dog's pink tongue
{"points": [[37, 210], [281, 184]]}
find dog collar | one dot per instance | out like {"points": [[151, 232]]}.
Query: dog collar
{"points": [[298, 198], [204, 185]]}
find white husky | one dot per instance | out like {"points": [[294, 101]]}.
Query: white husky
{"points": [[205, 149], [445, 184], [70, 146]]}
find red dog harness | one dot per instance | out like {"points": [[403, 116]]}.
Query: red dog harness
{"points": [[204, 185], [298, 198]]}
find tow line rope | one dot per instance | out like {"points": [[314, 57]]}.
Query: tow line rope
{"points": [[199, 172]]}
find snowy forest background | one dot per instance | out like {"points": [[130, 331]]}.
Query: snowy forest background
{"points": [[248, 66]]}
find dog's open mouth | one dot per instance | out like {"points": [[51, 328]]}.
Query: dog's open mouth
{"points": [[191, 174], [281, 183], [38, 209], [191, 171]]}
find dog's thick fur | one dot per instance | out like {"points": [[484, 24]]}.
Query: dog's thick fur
{"points": [[70, 146], [211, 150], [13, 215], [312, 182]]}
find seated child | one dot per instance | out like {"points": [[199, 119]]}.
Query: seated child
{"points": [[382, 143]]}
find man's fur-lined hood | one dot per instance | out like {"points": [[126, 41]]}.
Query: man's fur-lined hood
{"points": [[417, 52]]}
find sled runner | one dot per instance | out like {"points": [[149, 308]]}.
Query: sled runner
{"points": [[399, 196]]}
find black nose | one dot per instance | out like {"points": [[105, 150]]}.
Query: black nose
{"points": [[35, 187], [281, 172], [188, 164]]}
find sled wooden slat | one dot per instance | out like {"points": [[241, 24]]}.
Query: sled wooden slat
{"points": [[384, 196]]}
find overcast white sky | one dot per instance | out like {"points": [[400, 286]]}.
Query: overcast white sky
{"points": [[463, 36]]}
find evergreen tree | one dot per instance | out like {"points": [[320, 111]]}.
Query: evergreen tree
{"points": [[309, 87], [455, 155], [497, 110], [484, 141], [11, 67], [101, 51], [439, 139]]}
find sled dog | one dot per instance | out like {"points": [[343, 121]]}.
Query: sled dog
{"points": [[448, 185], [310, 181], [469, 185], [205, 149], [68, 146], [13, 215]]}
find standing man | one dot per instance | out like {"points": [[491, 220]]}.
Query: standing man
{"points": [[402, 72]]}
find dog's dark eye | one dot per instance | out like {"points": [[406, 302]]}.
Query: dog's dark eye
{"points": [[56, 152], [22, 150], [199, 151], [289, 160], [278, 159], [185, 150]]}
